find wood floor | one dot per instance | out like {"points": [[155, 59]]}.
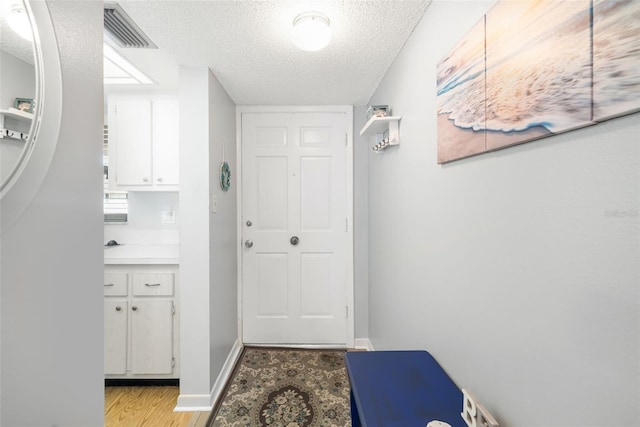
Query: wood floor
{"points": [[147, 406]]}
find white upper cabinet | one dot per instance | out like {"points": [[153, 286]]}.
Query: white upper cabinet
{"points": [[143, 143], [165, 142]]}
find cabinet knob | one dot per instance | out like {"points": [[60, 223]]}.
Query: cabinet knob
{"points": [[118, 308], [159, 179], [145, 179], [134, 308]]}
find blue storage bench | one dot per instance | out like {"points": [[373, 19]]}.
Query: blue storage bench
{"points": [[401, 389]]}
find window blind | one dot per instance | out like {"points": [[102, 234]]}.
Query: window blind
{"points": [[116, 203]]}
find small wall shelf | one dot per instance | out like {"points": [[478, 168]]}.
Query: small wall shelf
{"points": [[21, 116], [380, 125], [14, 113]]}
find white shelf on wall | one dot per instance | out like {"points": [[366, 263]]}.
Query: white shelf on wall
{"points": [[380, 125], [14, 113]]}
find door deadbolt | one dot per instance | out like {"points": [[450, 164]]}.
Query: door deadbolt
{"points": [[249, 223]]}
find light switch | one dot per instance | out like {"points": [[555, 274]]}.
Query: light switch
{"points": [[168, 217], [214, 203]]}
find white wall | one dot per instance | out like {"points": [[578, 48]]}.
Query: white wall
{"points": [[518, 270], [17, 80], [208, 322], [52, 303], [223, 301], [195, 231], [360, 224]]}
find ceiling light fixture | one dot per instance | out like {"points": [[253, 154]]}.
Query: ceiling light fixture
{"points": [[311, 31], [19, 22]]}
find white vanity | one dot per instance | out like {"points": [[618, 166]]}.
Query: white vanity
{"points": [[141, 291]]}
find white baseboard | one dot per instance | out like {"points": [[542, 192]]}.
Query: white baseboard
{"points": [[205, 402], [225, 372], [363, 344], [193, 403]]}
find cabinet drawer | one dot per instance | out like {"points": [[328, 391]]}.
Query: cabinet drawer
{"points": [[153, 284], [115, 284]]}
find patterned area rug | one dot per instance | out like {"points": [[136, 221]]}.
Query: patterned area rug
{"points": [[286, 388]]}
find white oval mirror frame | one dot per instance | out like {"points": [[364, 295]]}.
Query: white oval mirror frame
{"points": [[33, 165], [20, 79]]}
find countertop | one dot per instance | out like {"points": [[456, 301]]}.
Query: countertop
{"points": [[142, 254]]}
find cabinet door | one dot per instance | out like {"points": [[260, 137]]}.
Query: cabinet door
{"points": [[115, 337], [165, 142], [151, 336], [130, 142]]}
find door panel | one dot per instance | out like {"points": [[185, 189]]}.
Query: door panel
{"points": [[165, 148], [315, 193], [315, 137], [133, 135], [115, 337], [151, 337], [272, 195], [271, 136], [272, 285], [315, 270], [294, 185]]}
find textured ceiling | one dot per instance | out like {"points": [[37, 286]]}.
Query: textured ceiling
{"points": [[10, 42], [247, 45]]}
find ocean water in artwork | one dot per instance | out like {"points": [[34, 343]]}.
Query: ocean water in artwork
{"points": [[461, 102], [538, 59], [460, 80], [616, 57], [533, 79]]}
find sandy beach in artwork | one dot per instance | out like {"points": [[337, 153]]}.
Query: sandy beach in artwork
{"points": [[497, 140], [456, 143]]}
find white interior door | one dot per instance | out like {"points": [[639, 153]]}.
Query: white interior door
{"points": [[295, 230]]}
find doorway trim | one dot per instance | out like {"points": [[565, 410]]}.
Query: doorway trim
{"points": [[350, 283]]}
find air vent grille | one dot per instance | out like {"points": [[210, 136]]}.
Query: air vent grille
{"points": [[123, 30]]}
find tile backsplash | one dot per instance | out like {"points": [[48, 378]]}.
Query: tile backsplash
{"points": [[145, 220]]}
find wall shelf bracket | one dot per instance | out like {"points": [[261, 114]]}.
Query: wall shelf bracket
{"points": [[379, 126], [13, 134]]}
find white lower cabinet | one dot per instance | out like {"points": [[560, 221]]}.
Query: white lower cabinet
{"points": [[140, 321], [115, 336]]}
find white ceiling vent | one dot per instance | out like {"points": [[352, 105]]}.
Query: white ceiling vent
{"points": [[121, 28]]}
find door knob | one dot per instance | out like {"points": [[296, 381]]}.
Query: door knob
{"points": [[248, 243], [294, 240]]}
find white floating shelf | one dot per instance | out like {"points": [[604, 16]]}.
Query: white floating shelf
{"points": [[377, 125], [14, 113], [380, 125]]}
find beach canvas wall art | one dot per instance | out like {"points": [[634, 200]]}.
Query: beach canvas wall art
{"points": [[538, 70], [616, 58], [461, 98], [550, 66]]}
